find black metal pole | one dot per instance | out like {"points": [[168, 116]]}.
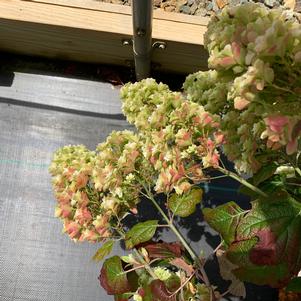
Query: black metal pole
{"points": [[142, 11]]}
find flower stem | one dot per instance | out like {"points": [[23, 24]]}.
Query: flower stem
{"points": [[242, 181], [191, 252]]}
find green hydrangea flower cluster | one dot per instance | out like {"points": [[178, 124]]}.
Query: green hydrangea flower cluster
{"points": [[147, 104], [181, 138], [256, 82], [117, 172]]}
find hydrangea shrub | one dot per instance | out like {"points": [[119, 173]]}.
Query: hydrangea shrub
{"points": [[247, 107]]}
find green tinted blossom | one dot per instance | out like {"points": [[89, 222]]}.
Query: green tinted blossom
{"points": [[181, 138]]}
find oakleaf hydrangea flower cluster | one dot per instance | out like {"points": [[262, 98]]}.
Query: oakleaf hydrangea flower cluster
{"points": [[256, 82]]}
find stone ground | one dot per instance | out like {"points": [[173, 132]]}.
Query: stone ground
{"points": [[207, 7]]}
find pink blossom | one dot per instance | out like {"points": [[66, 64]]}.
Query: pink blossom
{"points": [[134, 210], [89, 235], [83, 200], [81, 180], [291, 147], [226, 61], [72, 228], [66, 210], [83, 215], [276, 123], [63, 197], [240, 103], [68, 173], [236, 50], [219, 137]]}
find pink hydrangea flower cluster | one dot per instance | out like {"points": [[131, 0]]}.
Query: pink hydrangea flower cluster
{"points": [[282, 130], [255, 52], [95, 190], [181, 138], [71, 171]]}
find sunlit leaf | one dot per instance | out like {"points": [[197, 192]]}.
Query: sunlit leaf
{"points": [[104, 250], [184, 205], [140, 233], [224, 219], [266, 243]]}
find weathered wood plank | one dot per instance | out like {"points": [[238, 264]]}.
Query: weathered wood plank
{"points": [[94, 33], [124, 9]]}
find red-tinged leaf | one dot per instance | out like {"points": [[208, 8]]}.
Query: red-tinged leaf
{"points": [[266, 243], [277, 226], [146, 293], [239, 254], [183, 265], [160, 291], [164, 250], [112, 277], [275, 276], [224, 219]]}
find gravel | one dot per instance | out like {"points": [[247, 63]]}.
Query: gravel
{"points": [[202, 7]]}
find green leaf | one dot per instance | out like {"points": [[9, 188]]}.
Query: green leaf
{"points": [[294, 285], [264, 173], [103, 251], [224, 219], [184, 205], [140, 233], [112, 277], [123, 297]]}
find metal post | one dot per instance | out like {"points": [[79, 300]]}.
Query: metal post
{"points": [[142, 11]]}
